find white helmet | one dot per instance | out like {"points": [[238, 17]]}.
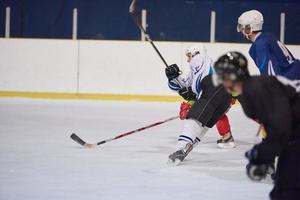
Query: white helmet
{"points": [[195, 49], [251, 20]]}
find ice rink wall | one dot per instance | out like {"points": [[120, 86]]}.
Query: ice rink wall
{"points": [[96, 69]]}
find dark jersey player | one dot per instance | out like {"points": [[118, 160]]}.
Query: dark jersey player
{"points": [[270, 55], [274, 102]]}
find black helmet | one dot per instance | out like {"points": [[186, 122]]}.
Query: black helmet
{"points": [[232, 65]]}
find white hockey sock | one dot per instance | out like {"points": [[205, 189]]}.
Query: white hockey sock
{"points": [[193, 131]]}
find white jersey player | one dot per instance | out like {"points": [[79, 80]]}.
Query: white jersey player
{"points": [[204, 110], [200, 66]]}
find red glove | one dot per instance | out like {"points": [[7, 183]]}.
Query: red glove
{"points": [[184, 109]]}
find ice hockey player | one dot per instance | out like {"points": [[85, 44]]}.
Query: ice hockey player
{"points": [[200, 66], [206, 103], [270, 55], [274, 102]]}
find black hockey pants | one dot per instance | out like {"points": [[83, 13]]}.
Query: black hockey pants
{"points": [[213, 103]]}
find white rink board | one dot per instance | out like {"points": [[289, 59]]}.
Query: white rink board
{"points": [[123, 68], [38, 65], [91, 66]]}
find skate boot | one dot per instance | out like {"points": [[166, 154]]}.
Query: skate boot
{"points": [[178, 156], [226, 142]]}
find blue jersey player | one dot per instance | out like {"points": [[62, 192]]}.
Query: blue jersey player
{"points": [[270, 55]]}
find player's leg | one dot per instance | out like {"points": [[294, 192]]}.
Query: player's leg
{"points": [[223, 126], [192, 132], [213, 102], [287, 178]]}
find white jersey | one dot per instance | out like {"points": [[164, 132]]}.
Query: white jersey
{"points": [[200, 67]]}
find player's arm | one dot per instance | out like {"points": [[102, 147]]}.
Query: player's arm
{"points": [[276, 113], [173, 74], [183, 88], [262, 58], [175, 80]]}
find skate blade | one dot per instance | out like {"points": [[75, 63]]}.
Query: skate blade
{"points": [[228, 145], [173, 163]]}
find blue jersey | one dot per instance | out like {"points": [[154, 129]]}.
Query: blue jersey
{"points": [[273, 58]]}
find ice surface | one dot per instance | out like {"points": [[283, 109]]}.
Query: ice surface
{"points": [[38, 160]]}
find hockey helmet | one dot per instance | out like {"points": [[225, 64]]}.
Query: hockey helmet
{"points": [[231, 66], [196, 49], [250, 21]]}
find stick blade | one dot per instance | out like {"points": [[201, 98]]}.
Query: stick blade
{"points": [[77, 139]]}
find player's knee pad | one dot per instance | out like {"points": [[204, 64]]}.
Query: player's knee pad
{"points": [[223, 125], [193, 131]]}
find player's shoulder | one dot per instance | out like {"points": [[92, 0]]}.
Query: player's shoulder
{"points": [[198, 60], [261, 84], [260, 79], [252, 82], [256, 84], [260, 43], [195, 61], [265, 38], [292, 85]]}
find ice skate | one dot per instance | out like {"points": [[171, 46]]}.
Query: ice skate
{"points": [[227, 142], [178, 156]]}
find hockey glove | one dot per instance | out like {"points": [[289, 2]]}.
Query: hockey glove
{"points": [[187, 93], [184, 109], [257, 172], [172, 71]]}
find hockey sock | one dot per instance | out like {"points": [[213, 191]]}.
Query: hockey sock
{"points": [[223, 125], [193, 131]]}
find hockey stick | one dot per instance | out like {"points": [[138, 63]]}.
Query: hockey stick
{"points": [[257, 138], [136, 19], [77, 139], [259, 130]]}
